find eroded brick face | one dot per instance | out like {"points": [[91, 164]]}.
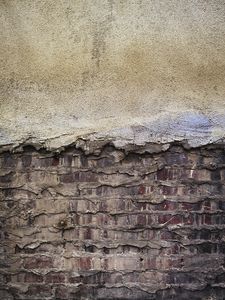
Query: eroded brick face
{"points": [[113, 224]]}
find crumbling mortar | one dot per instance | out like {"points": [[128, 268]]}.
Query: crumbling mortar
{"points": [[127, 228]]}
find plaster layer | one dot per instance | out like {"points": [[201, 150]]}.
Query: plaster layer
{"points": [[130, 71]]}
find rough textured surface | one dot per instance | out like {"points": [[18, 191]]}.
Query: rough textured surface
{"points": [[113, 202], [140, 223], [80, 67]]}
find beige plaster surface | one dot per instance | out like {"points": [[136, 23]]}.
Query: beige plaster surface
{"points": [[132, 70]]}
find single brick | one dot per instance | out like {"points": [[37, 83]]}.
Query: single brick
{"points": [[40, 262]]}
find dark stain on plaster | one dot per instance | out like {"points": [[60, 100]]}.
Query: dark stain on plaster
{"points": [[147, 66]]}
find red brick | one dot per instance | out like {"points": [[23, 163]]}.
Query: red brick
{"points": [[203, 219], [188, 220], [206, 206], [74, 279], [26, 161], [40, 290], [41, 262], [9, 160], [172, 173], [84, 263], [88, 234], [62, 292], [141, 190], [149, 263], [167, 235], [27, 277], [168, 190], [56, 277], [141, 220], [134, 226], [170, 219], [79, 177], [31, 277], [207, 219], [166, 206], [176, 158], [174, 249], [190, 206], [55, 161]]}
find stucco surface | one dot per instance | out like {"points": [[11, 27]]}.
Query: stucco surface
{"points": [[128, 70]]}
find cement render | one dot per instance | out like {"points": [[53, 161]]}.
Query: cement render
{"points": [[127, 71]]}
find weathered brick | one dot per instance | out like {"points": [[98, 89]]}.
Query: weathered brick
{"points": [[37, 291], [168, 190], [78, 263], [207, 247], [142, 220], [40, 262], [62, 292], [8, 160], [170, 219], [25, 277], [166, 206], [55, 161], [122, 262], [176, 158], [6, 295], [55, 277]]}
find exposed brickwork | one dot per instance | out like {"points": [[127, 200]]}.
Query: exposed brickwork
{"points": [[113, 224]]}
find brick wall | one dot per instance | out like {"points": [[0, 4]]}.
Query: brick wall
{"points": [[113, 224]]}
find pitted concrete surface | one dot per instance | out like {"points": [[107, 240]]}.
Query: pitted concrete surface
{"points": [[130, 71]]}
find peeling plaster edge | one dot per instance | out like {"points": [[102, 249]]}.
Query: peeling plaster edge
{"points": [[93, 143], [191, 129]]}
